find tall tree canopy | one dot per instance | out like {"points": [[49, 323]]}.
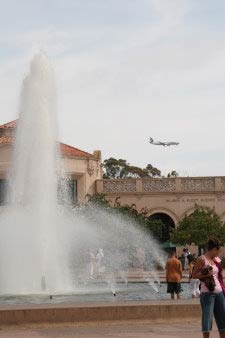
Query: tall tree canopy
{"points": [[120, 168], [198, 227], [173, 173]]}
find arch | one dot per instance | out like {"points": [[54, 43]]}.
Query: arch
{"points": [[188, 212], [166, 211], [166, 220]]}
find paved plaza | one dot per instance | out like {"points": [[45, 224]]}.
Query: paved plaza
{"points": [[110, 330]]}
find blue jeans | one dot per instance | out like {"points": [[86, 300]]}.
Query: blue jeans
{"points": [[212, 304]]}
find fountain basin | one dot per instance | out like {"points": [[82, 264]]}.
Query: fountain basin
{"points": [[155, 311], [136, 301]]}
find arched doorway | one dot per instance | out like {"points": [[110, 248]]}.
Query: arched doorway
{"points": [[167, 221]]}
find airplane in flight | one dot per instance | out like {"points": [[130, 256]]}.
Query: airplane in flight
{"points": [[164, 144]]}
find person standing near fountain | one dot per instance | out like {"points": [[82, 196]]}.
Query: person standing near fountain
{"points": [[194, 283], [91, 265], [173, 276], [212, 290], [186, 253], [99, 259]]}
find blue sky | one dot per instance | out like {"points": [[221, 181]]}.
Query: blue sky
{"points": [[126, 70]]}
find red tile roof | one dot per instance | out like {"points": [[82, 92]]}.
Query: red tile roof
{"points": [[8, 125], [66, 149]]}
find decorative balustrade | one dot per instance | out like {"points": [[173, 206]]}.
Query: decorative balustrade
{"points": [[156, 185], [162, 185], [114, 186], [198, 184]]}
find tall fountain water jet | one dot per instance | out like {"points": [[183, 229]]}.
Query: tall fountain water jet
{"points": [[31, 254], [44, 246], [33, 179]]}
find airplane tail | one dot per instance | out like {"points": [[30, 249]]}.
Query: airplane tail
{"points": [[151, 140]]}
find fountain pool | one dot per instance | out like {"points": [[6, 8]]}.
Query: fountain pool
{"points": [[100, 293]]}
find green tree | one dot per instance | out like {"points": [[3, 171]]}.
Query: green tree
{"points": [[198, 227], [98, 200], [114, 169], [173, 173], [152, 171]]}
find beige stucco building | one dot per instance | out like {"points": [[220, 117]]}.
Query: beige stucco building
{"points": [[172, 197], [82, 167], [168, 199]]}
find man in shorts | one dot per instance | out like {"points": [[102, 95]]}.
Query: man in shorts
{"points": [[173, 276]]}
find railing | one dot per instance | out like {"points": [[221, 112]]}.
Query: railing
{"points": [[162, 185]]}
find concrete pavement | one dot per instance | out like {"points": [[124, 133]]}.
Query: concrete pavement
{"points": [[134, 329]]}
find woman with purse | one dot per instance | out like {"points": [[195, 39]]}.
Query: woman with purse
{"points": [[209, 270]]}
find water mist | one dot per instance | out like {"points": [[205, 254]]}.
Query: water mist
{"points": [[45, 247]]}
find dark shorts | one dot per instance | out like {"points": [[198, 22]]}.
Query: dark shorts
{"points": [[173, 287]]}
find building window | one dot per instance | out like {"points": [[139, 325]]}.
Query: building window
{"points": [[3, 184], [67, 191], [72, 191]]}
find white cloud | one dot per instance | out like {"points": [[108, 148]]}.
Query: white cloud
{"points": [[172, 10], [118, 85]]}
